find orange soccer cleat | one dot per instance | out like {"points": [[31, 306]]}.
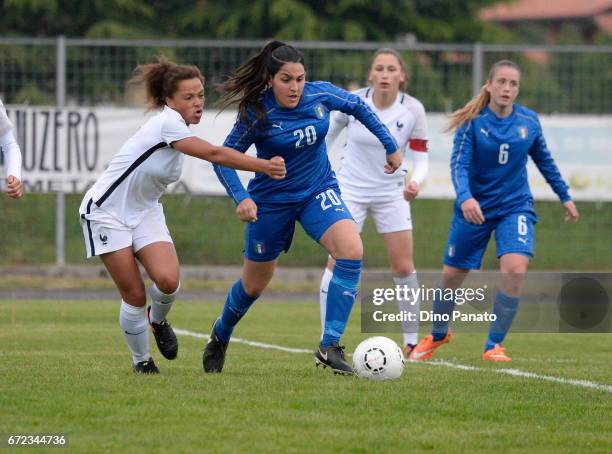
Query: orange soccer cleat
{"points": [[497, 353], [426, 347]]}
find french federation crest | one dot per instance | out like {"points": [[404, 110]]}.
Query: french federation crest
{"points": [[523, 132], [319, 111]]}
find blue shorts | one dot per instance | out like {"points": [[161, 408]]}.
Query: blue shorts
{"points": [[514, 233], [272, 233]]}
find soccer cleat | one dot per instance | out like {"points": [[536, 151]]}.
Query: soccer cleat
{"points": [[407, 349], [497, 353], [146, 367], [165, 338], [213, 357], [426, 347], [333, 357]]}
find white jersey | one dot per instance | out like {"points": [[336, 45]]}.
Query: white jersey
{"points": [[138, 175], [8, 145], [361, 175]]}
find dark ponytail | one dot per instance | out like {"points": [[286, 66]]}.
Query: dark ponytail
{"points": [[161, 79], [244, 87]]}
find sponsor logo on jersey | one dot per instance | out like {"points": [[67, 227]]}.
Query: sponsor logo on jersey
{"points": [[319, 111], [523, 132], [484, 132]]}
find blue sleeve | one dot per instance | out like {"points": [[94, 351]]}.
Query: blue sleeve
{"points": [[240, 138], [348, 103], [545, 163], [463, 150]]}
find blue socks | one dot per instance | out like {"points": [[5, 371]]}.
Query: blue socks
{"points": [[236, 305], [340, 298], [504, 308], [445, 308]]}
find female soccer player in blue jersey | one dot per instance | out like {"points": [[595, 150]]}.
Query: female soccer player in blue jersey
{"points": [[284, 115], [494, 137]]}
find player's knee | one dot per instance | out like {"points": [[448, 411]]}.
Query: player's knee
{"points": [[353, 251], [254, 289], [403, 269], [514, 270], [134, 296], [167, 284]]}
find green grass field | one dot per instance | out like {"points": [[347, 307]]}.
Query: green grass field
{"points": [[65, 368]]}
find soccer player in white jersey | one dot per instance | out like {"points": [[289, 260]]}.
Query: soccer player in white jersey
{"points": [[123, 220], [365, 187], [12, 155]]}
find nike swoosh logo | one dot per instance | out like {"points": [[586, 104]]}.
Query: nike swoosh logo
{"points": [[134, 334], [323, 355], [419, 355]]}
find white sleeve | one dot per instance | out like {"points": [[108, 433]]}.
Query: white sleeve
{"points": [[174, 129], [337, 122], [420, 125], [12, 154], [5, 123], [420, 166]]}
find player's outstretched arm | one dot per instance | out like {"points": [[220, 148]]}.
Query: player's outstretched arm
{"points": [[228, 157]]}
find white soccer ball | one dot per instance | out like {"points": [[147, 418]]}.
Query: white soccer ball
{"points": [[378, 358]]}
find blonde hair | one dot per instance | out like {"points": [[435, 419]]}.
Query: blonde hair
{"points": [[478, 102]]}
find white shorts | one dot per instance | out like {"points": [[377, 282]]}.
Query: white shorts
{"points": [[389, 216], [103, 233]]}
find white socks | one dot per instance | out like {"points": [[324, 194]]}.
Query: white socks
{"points": [[323, 289], [135, 328], [409, 328], [161, 303]]}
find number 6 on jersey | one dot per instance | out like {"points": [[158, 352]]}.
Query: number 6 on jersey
{"points": [[503, 153]]}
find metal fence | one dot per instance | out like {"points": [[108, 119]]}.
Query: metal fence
{"points": [[87, 72], [555, 79]]}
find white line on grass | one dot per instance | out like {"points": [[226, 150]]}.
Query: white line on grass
{"points": [[522, 373], [246, 342], [513, 372]]}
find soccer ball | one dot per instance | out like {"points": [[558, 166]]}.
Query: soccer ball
{"points": [[378, 358]]}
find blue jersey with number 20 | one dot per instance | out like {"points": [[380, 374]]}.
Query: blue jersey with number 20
{"points": [[298, 135]]}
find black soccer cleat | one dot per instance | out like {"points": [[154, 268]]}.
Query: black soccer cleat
{"points": [[213, 357], [165, 338], [146, 367], [333, 357]]}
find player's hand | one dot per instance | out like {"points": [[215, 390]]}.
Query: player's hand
{"points": [[247, 210], [276, 168], [14, 188], [472, 212], [571, 212], [411, 191], [394, 161]]}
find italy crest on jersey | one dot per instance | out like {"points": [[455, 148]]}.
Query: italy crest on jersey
{"points": [[523, 132], [319, 111]]}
